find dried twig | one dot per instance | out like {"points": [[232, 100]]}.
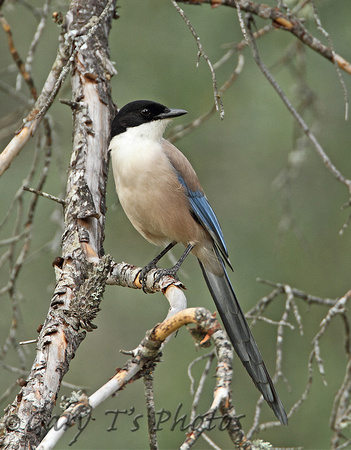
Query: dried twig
{"points": [[320, 151], [280, 288], [16, 57], [340, 415], [195, 361], [53, 83], [334, 57], [201, 53], [336, 308], [199, 390], [181, 131], [147, 353], [150, 407], [35, 41], [284, 22], [45, 195]]}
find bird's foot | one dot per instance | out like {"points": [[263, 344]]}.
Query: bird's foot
{"points": [[144, 273], [172, 272]]}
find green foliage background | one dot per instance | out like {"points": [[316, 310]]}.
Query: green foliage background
{"points": [[237, 160]]}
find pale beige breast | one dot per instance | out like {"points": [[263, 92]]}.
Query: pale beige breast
{"points": [[151, 195], [153, 198], [159, 209]]}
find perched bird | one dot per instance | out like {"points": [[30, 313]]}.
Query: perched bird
{"points": [[162, 197]]}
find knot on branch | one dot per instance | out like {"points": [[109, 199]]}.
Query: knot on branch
{"points": [[75, 407], [84, 307], [80, 201]]}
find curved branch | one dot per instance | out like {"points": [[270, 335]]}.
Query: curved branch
{"points": [[302, 124], [283, 22], [54, 81], [146, 355]]}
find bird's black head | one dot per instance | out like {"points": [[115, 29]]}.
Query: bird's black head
{"points": [[139, 112]]}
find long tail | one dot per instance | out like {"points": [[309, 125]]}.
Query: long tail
{"points": [[242, 339]]}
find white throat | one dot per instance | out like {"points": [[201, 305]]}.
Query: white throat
{"points": [[138, 147], [152, 131]]}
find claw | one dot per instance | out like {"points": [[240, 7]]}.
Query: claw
{"points": [[144, 273], [172, 272]]}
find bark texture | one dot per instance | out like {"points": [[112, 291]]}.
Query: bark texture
{"points": [[82, 269]]}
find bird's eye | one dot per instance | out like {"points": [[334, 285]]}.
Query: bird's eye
{"points": [[145, 112]]}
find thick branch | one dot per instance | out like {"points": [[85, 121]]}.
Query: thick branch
{"points": [[81, 272], [145, 356]]}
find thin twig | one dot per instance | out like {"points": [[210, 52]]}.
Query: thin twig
{"points": [[150, 407], [16, 57], [284, 22], [45, 195], [181, 131], [310, 299], [191, 378], [35, 41], [241, 22], [199, 390], [30, 341], [54, 81], [201, 53], [270, 321], [331, 46], [327, 162]]}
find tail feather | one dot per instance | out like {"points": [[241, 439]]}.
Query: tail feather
{"points": [[242, 339]]}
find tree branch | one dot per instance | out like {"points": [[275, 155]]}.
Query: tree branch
{"points": [[145, 356], [322, 154], [201, 52], [81, 272], [60, 69], [282, 21]]}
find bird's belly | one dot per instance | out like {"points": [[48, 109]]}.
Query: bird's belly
{"points": [[152, 196], [143, 210], [156, 210]]}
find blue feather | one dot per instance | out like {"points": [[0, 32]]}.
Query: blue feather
{"points": [[204, 213]]}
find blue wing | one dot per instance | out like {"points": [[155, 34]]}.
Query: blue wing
{"points": [[204, 213]]}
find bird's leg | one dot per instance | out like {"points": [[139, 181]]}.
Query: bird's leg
{"points": [[152, 264], [173, 270]]}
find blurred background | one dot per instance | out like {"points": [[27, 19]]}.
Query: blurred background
{"points": [[279, 207]]}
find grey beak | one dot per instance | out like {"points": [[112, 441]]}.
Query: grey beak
{"points": [[169, 113]]}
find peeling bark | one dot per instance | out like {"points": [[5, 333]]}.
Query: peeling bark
{"points": [[81, 274]]}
